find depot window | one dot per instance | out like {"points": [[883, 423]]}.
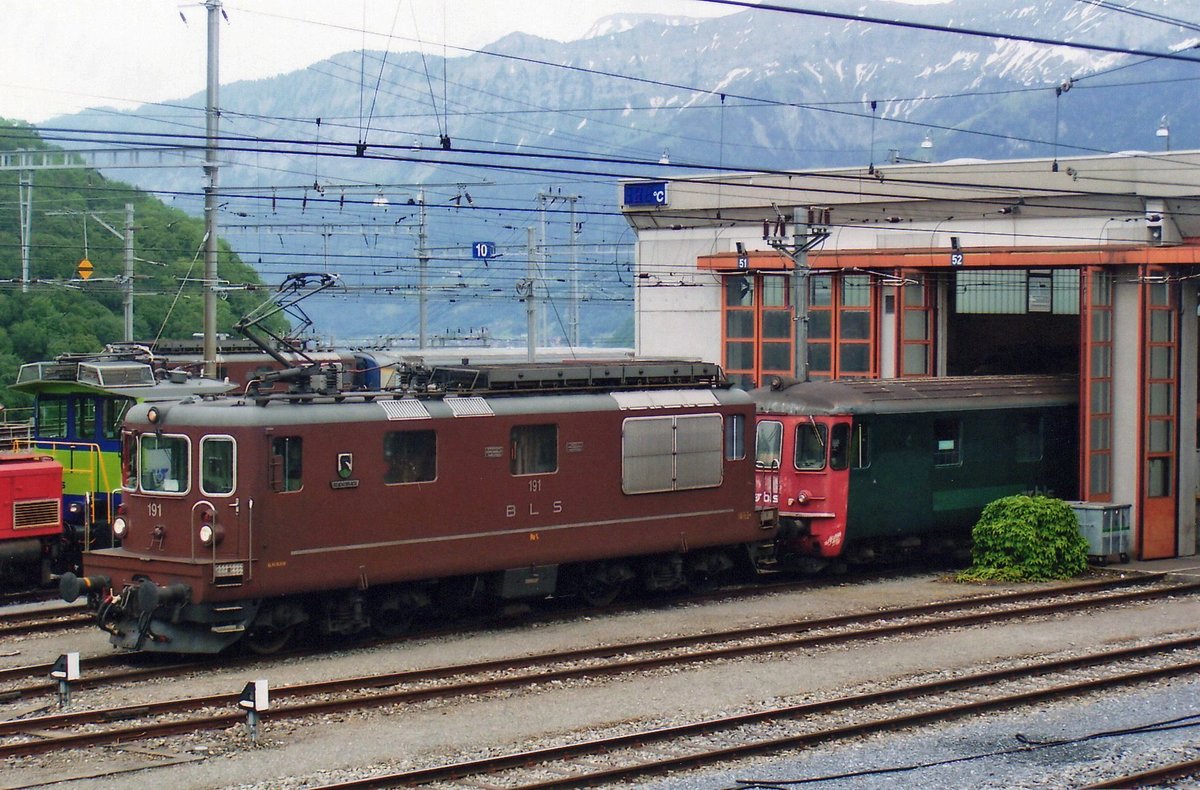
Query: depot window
{"points": [[533, 449], [163, 464], [411, 456], [217, 465], [287, 466]]}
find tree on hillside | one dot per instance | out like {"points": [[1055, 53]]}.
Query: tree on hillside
{"points": [[59, 312]]}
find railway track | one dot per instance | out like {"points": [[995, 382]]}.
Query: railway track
{"points": [[40, 621], [656, 751], [1154, 776], [124, 667], [84, 728]]}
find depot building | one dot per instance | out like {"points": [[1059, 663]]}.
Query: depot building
{"points": [[1083, 266]]}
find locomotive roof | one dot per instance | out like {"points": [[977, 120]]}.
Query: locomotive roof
{"points": [[901, 396], [119, 377], [407, 411]]}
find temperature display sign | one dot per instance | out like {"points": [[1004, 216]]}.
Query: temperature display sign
{"points": [[646, 193]]}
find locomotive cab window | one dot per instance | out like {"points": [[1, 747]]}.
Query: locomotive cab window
{"points": [[217, 465], [810, 446], [533, 449], [411, 456], [768, 444], [286, 463], [113, 415], [163, 464], [947, 442], [735, 437]]}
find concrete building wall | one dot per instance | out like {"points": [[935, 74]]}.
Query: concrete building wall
{"points": [[677, 309], [1127, 384]]}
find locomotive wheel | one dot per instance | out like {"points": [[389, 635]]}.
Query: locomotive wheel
{"points": [[393, 621], [265, 639], [701, 582], [598, 588], [706, 573]]}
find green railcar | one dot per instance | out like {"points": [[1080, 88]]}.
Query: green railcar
{"points": [[865, 469]]}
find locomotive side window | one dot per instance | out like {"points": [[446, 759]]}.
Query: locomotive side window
{"points": [[533, 449], [810, 446], [411, 456], [1029, 438], [286, 463], [163, 464], [85, 421], [768, 444], [947, 442], [839, 446], [129, 467], [671, 453], [217, 465], [52, 417], [698, 462], [735, 437]]}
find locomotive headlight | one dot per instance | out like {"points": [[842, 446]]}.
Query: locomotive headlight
{"points": [[211, 534], [154, 415], [119, 527]]}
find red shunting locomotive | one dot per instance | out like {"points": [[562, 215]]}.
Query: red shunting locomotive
{"points": [[317, 510], [31, 531]]}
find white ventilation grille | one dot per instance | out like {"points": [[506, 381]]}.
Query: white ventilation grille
{"points": [[469, 407], [407, 409]]}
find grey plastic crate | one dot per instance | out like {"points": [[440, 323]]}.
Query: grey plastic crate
{"points": [[1106, 528]]}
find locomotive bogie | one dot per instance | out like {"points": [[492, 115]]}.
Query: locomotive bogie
{"points": [[338, 514]]}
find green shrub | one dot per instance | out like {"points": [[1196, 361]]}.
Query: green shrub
{"points": [[1025, 539]]}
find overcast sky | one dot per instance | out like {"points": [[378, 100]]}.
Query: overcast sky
{"points": [[62, 56]]}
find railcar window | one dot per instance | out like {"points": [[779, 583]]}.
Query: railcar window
{"points": [[810, 446], [1029, 438], [839, 446], [768, 444], [286, 463], [163, 464], [533, 449], [217, 459], [735, 437], [860, 447], [411, 456], [52, 417], [947, 442]]}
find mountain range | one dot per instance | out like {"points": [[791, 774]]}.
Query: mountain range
{"points": [[476, 136]]}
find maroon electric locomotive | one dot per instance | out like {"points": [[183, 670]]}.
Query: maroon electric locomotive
{"points": [[252, 517]]}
